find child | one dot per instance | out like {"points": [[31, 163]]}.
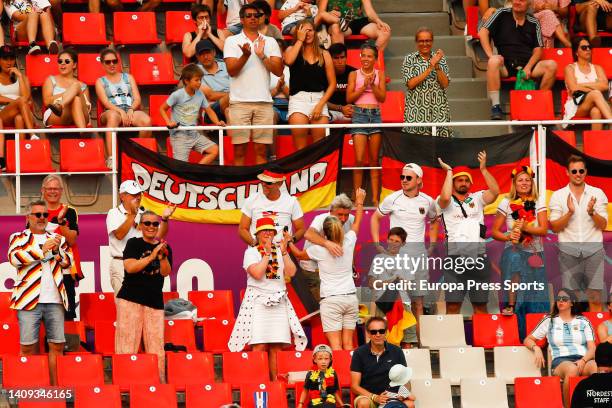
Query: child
{"points": [[187, 104], [399, 377], [321, 385], [604, 330], [292, 11]]}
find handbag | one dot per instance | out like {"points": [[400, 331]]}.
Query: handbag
{"points": [[522, 83], [578, 97]]}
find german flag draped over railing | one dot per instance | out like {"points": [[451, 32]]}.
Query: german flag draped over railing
{"points": [[311, 175]]}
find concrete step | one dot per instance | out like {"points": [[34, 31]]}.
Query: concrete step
{"points": [[405, 24], [460, 67], [402, 45], [467, 88], [468, 109], [408, 6]]}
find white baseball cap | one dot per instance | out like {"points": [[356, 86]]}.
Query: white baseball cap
{"points": [[130, 187], [399, 375], [415, 168]]}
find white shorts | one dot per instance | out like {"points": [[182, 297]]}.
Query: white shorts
{"points": [[304, 102], [339, 312]]}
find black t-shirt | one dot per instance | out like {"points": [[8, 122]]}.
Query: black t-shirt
{"points": [[375, 370], [144, 287], [339, 95], [514, 43], [306, 77], [593, 392]]}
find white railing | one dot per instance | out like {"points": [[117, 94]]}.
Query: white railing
{"points": [[539, 125]]}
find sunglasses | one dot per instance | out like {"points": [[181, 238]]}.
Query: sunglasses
{"points": [[251, 15], [407, 178], [40, 214], [149, 223], [563, 298], [64, 61], [374, 332], [581, 171], [585, 47], [111, 61], [269, 183]]}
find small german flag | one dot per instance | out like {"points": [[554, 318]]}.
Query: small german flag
{"points": [[398, 319]]}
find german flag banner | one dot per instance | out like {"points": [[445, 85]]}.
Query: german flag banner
{"points": [[215, 194]]}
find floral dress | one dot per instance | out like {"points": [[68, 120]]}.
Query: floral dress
{"points": [[549, 20], [428, 101]]}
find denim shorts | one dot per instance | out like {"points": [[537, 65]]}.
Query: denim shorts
{"points": [[366, 116], [573, 358], [51, 314], [235, 29]]}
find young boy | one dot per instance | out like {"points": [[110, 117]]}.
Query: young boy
{"points": [[187, 104], [321, 385]]}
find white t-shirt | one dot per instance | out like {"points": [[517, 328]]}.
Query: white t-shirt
{"points": [[504, 209], [283, 211], [253, 82], [317, 224], [233, 11], [462, 231], [115, 217], [277, 283], [48, 289], [274, 81], [410, 213], [298, 15], [336, 273]]}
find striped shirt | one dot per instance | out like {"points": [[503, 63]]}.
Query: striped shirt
{"points": [[565, 338]]}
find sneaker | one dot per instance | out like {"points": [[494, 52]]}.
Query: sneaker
{"points": [[34, 49], [53, 47], [496, 113]]}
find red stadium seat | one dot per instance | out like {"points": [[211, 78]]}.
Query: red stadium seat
{"points": [[208, 395], [39, 67], [177, 24], [97, 306], [153, 396], [353, 59], [274, 19], [216, 334], [596, 318], [562, 56], [35, 156], [25, 371], [155, 101], [78, 328], [151, 144], [82, 155], [134, 369], [485, 327], [104, 337], [537, 392], [245, 367], [190, 368], [275, 390], [348, 152], [568, 136], [471, 21], [531, 105], [392, 109], [221, 19], [228, 152], [6, 313], [90, 68], [9, 338], [173, 294], [180, 333], [573, 382], [603, 57], [596, 143], [531, 321], [84, 29], [218, 304], [141, 67], [107, 396], [80, 370], [133, 27], [291, 361], [341, 361], [284, 145]]}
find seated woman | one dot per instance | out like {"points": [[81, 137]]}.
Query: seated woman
{"points": [[604, 330], [66, 98], [26, 16], [119, 95], [201, 15], [586, 85], [549, 13]]}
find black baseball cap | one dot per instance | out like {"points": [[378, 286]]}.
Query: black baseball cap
{"points": [[204, 45], [7, 51]]}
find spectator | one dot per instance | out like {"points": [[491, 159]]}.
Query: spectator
{"points": [[311, 85], [549, 13], [292, 11], [595, 390], [63, 220], [593, 16], [250, 57], [340, 208], [586, 85], [409, 208], [275, 202], [339, 304], [279, 89], [39, 294], [233, 20], [26, 16], [398, 392], [604, 330], [216, 80], [524, 214], [321, 384], [187, 104], [485, 7], [201, 15], [371, 364], [148, 5], [118, 93], [339, 109], [571, 340], [140, 304], [265, 28], [266, 319], [578, 215], [367, 90], [356, 17], [462, 213], [66, 98], [427, 77], [518, 40]]}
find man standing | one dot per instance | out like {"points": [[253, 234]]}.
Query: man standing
{"points": [[578, 213], [595, 391], [463, 218], [216, 80], [39, 294], [339, 110], [250, 57]]}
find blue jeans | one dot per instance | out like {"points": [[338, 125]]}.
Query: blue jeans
{"points": [[51, 314]]}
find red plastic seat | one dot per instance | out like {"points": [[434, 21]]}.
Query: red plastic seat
{"points": [[84, 29], [207, 395], [177, 24], [134, 369], [353, 58], [228, 152], [284, 146], [603, 57], [568, 136], [35, 156], [276, 394], [135, 27], [471, 21], [142, 66], [151, 144], [596, 143], [531, 321], [25, 371], [104, 337], [341, 361], [80, 370], [289, 361], [216, 334], [274, 19], [348, 152], [155, 101], [90, 68], [213, 303], [153, 396], [82, 155], [76, 327], [562, 56], [190, 368], [573, 382], [393, 108], [97, 306], [9, 338], [596, 318], [107, 396], [180, 332], [6, 313], [485, 327], [531, 105], [245, 367], [39, 67], [537, 392], [166, 295]]}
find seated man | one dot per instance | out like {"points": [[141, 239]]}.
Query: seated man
{"points": [[518, 39], [339, 110], [215, 82], [592, 15]]}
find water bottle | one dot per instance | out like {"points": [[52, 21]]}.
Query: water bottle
{"points": [[155, 72], [499, 335]]}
